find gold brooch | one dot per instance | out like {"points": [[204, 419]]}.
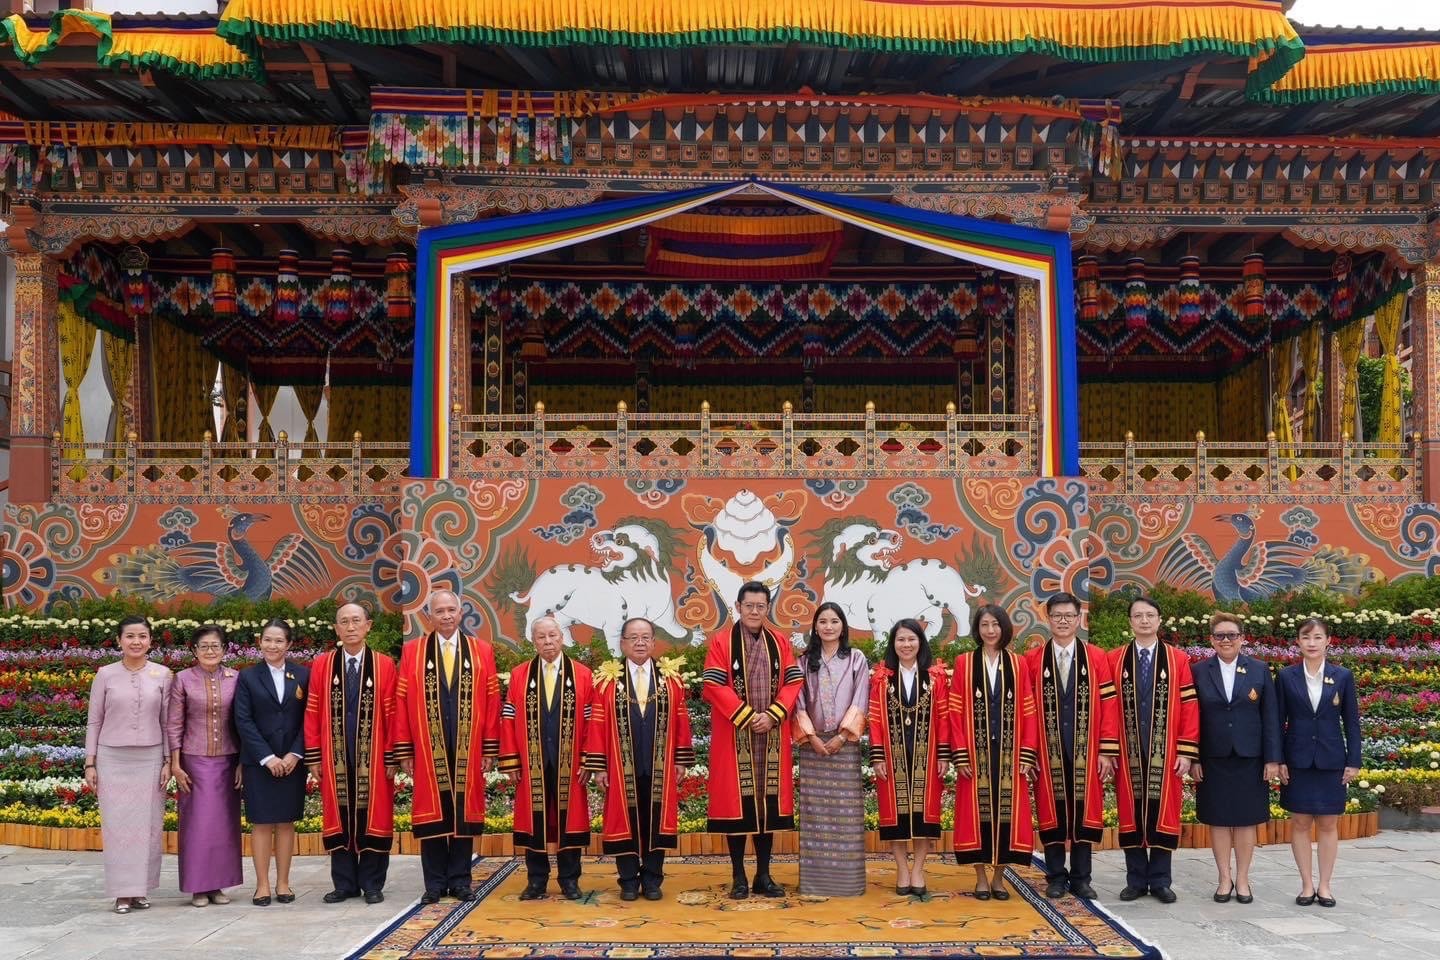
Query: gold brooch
{"points": [[1240, 670], [1330, 680], [1335, 701], [299, 693], [1253, 694]]}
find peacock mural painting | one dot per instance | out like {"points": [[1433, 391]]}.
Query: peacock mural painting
{"points": [[1250, 569], [219, 568]]}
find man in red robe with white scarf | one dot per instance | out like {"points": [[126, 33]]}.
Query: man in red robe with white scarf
{"points": [[542, 730], [1159, 739], [637, 748], [349, 740], [448, 736], [751, 682]]}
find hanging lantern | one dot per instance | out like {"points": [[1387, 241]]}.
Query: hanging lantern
{"points": [[1137, 297], [287, 289], [1254, 286], [813, 342], [532, 341], [1191, 312], [1087, 283], [992, 297], [1342, 297], [223, 296], [340, 297], [685, 343], [135, 262], [966, 345], [399, 306]]}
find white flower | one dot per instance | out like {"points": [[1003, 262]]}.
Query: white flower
{"points": [[1364, 784], [1379, 788]]}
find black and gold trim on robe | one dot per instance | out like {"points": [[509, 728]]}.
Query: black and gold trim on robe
{"points": [[751, 805], [353, 780], [1069, 787], [537, 837]]}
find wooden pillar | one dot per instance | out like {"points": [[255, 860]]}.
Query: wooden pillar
{"points": [[1334, 398], [493, 385], [1027, 341], [1425, 370], [459, 371], [35, 377]]}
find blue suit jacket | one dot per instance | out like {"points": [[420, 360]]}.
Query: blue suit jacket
{"points": [[266, 725], [1326, 737], [1248, 724]]}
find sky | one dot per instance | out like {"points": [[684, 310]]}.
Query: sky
{"points": [[1408, 14]]}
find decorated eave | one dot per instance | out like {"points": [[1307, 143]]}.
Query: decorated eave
{"points": [[185, 47], [1344, 64]]}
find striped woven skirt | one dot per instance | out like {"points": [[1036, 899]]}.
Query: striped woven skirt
{"points": [[832, 822]]}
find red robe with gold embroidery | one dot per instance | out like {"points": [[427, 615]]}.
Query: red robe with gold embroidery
{"points": [[735, 803], [1073, 807], [358, 805], [449, 790], [1147, 789], [992, 805], [609, 748], [910, 797], [542, 821]]}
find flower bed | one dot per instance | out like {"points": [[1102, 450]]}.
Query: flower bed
{"points": [[47, 663]]}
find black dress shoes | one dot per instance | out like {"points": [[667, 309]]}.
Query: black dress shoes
{"points": [[1082, 890], [902, 891], [1244, 897], [1055, 889], [1325, 901], [532, 891], [375, 896], [627, 895], [430, 896], [1132, 893], [1163, 894], [463, 894], [1000, 893], [570, 889], [284, 898], [338, 896], [653, 893], [739, 889], [1304, 901], [1225, 897], [766, 887]]}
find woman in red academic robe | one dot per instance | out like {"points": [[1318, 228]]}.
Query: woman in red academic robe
{"points": [[1159, 739], [533, 731], [993, 745], [909, 749]]}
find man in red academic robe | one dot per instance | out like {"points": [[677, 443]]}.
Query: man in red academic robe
{"points": [[349, 748], [542, 729], [1159, 738], [448, 736], [1079, 742], [751, 682], [637, 747]]}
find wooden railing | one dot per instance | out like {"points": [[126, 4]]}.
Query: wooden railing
{"points": [[277, 471], [784, 444], [1241, 470]]}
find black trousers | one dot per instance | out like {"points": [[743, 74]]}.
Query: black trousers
{"points": [[537, 866], [445, 863], [646, 869], [764, 843], [1079, 871], [358, 873], [1147, 867]]}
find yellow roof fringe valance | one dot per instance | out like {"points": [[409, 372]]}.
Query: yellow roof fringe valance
{"points": [[1338, 71], [195, 52], [1081, 30]]}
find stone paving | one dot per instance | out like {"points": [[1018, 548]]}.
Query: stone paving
{"points": [[1388, 888]]}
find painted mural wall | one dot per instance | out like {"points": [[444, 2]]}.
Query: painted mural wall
{"points": [[594, 552]]}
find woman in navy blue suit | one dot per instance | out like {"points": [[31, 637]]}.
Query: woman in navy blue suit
{"points": [[1320, 717], [270, 718], [1239, 752]]}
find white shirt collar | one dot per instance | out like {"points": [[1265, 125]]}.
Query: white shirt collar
{"points": [[1314, 677], [1147, 646], [1228, 667], [453, 639], [275, 669]]}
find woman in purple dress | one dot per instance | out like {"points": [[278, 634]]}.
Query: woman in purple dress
{"points": [[203, 758]]}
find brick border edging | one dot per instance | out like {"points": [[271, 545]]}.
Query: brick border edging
{"points": [[1193, 836]]}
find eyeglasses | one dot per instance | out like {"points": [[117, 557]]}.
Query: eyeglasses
{"points": [[644, 637], [350, 622], [754, 607], [209, 648], [1145, 616], [1064, 617], [1225, 636]]}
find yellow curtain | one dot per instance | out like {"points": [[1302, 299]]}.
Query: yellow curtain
{"points": [[265, 394], [380, 413], [77, 345], [118, 364], [1310, 356], [1240, 402], [1284, 432], [309, 397], [1153, 412], [1348, 340], [233, 384], [184, 374], [1387, 328]]}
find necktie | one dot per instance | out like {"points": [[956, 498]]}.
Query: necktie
{"points": [[550, 684], [1064, 670], [642, 687], [352, 673], [447, 658], [1147, 675]]}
